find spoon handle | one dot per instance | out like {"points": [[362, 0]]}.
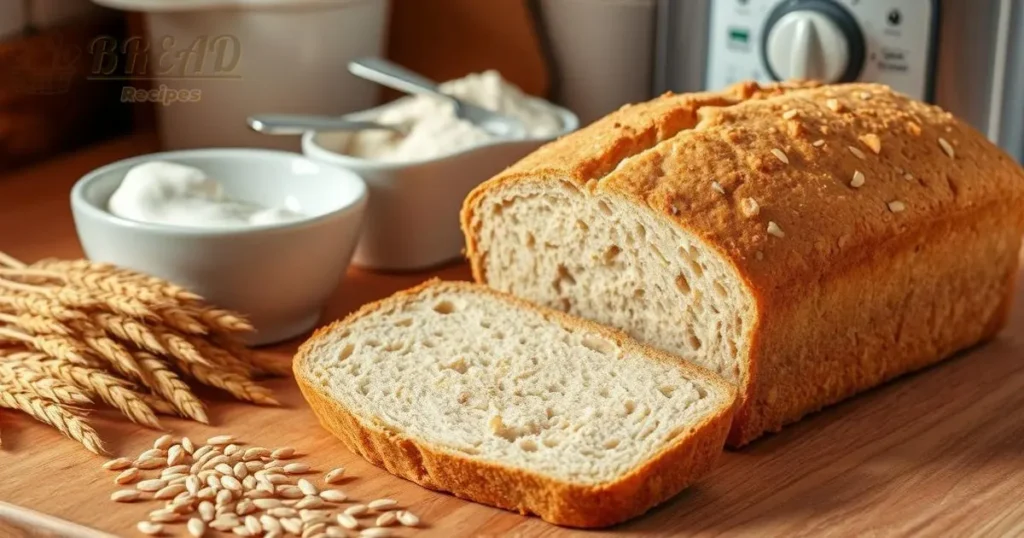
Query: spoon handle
{"points": [[291, 124], [394, 76]]}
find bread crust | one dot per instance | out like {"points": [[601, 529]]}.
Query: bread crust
{"points": [[933, 189], [557, 501]]}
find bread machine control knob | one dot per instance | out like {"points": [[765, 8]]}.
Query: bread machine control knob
{"points": [[812, 39]]}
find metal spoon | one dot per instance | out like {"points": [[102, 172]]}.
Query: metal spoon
{"points": [[399, 78], [291, 124]]}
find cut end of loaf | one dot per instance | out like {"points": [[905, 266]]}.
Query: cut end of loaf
{"points": [[596, 256], [548, 414]]}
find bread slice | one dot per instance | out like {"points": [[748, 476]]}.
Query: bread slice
{"points": [[806, 243], [460, 388]]}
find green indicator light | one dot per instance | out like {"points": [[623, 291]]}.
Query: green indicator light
{"points": [[739, 35]]}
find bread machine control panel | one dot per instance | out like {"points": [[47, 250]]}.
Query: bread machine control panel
{"points": [[886, 41]]}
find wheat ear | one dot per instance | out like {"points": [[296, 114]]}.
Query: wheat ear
{"points": [[108, 348], [114, 391], [160, 405], [54, 345], [236, 385], [179, 347], [130, 330], [165, 383], [260, 364], [219, 358], [36, 324], [53, 414], [219, 320], [115, 279], [30, 381], [41, 306], [181, 320]]}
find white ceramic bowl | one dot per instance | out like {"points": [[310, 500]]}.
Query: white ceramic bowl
{"points": [[280, 275], [412, 221]]}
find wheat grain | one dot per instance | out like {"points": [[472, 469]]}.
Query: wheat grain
{"points": [[335, 475], [407, 518], [386, 519], [117, 464], [382, 504], [333, 496], [125, 496], [127, 476], [66, 422], [150, 528]]}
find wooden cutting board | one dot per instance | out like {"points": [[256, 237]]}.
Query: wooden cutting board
{"points": [[938, 453]]}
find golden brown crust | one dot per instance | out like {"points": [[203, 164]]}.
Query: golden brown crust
{"points": [[795, 151], [554, 500]]}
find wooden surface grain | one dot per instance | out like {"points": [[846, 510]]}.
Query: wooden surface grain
{"points": [[937, 453]]}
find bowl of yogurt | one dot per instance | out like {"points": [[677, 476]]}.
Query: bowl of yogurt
{"points": [[267, 233], [418, 178]]}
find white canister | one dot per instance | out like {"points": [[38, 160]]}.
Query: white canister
{"points": [[603, 53], [224, 60]]}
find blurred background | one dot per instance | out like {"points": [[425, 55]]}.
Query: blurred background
{"points": [[74, 72]]}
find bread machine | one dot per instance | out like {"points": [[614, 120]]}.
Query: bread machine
{"points": [[967, 56]]}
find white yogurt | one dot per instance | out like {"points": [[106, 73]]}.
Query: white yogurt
{"points": [[169, 193], [435, 129]]}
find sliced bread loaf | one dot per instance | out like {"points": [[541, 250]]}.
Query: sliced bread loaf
{"points": [[463, 389], [807, 243]]}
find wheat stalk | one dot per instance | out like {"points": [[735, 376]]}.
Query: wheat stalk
{"points": [[55, 390], [236, 385], [164, 382], [11, 261], [115, 391], [54, 414], [81, 330]]}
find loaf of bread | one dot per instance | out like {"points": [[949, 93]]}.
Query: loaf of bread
{"points": [[806, 242], [459, 388]]}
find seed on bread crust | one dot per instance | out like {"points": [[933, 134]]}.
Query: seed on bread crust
{"points": [[780, 155]]}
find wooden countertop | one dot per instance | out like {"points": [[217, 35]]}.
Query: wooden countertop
{"points": [[938, 453]]}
